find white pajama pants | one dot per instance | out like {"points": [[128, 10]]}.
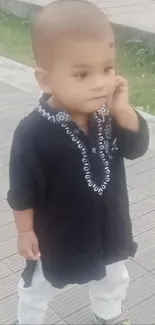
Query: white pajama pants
{"points": [[106, 295]]}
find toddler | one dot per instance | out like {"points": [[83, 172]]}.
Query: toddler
{"points": [[67, 178]]}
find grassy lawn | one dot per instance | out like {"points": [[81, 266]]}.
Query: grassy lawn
{"points": [[134, 61], [15, 42]]}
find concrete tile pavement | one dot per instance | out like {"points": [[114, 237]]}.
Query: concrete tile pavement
{"points": [[71, 306]]}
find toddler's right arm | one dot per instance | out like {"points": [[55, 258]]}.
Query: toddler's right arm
{"points": [[27, 241], [22, 192]]}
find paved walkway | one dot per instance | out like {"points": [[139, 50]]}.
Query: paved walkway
{"points": [[133, 13], [72, 305]]}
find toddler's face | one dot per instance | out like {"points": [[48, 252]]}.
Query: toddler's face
{"points": [[83, 75]]}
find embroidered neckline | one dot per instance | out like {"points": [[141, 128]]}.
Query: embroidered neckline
{"points": [[104, 136]]}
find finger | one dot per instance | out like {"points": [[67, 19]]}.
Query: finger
{"points": [[29, 256], [36, 250], [111, 90], [120, 81]]}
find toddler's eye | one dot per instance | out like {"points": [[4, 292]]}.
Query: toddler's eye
{"points": [[82, 75]]}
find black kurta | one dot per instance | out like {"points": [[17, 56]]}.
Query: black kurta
{"points": [[76, 185]]}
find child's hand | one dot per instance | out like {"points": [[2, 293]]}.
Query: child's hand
{"points": [[28, 246], [119, 107], [118, 101]]}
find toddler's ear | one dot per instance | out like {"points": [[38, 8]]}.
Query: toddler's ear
{"points": [[43, 80]]}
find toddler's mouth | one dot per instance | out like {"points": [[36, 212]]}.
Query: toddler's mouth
{"points": [[100, 98]]}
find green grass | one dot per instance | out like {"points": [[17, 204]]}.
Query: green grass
{"points": [[15, 40], [137, 64], [134, 61]]}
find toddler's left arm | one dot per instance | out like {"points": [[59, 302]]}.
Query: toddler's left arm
{"points": [[132, 134], [129, 126]]}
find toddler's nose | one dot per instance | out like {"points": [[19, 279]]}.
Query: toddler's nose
{"points": [[99, 83]]}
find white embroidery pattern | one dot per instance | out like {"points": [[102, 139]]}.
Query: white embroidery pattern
{"points": [[109, 147], [104, 136], [57, 118]]}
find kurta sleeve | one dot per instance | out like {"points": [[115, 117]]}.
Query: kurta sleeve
{"points": [[132, 144], [21, 194]]}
